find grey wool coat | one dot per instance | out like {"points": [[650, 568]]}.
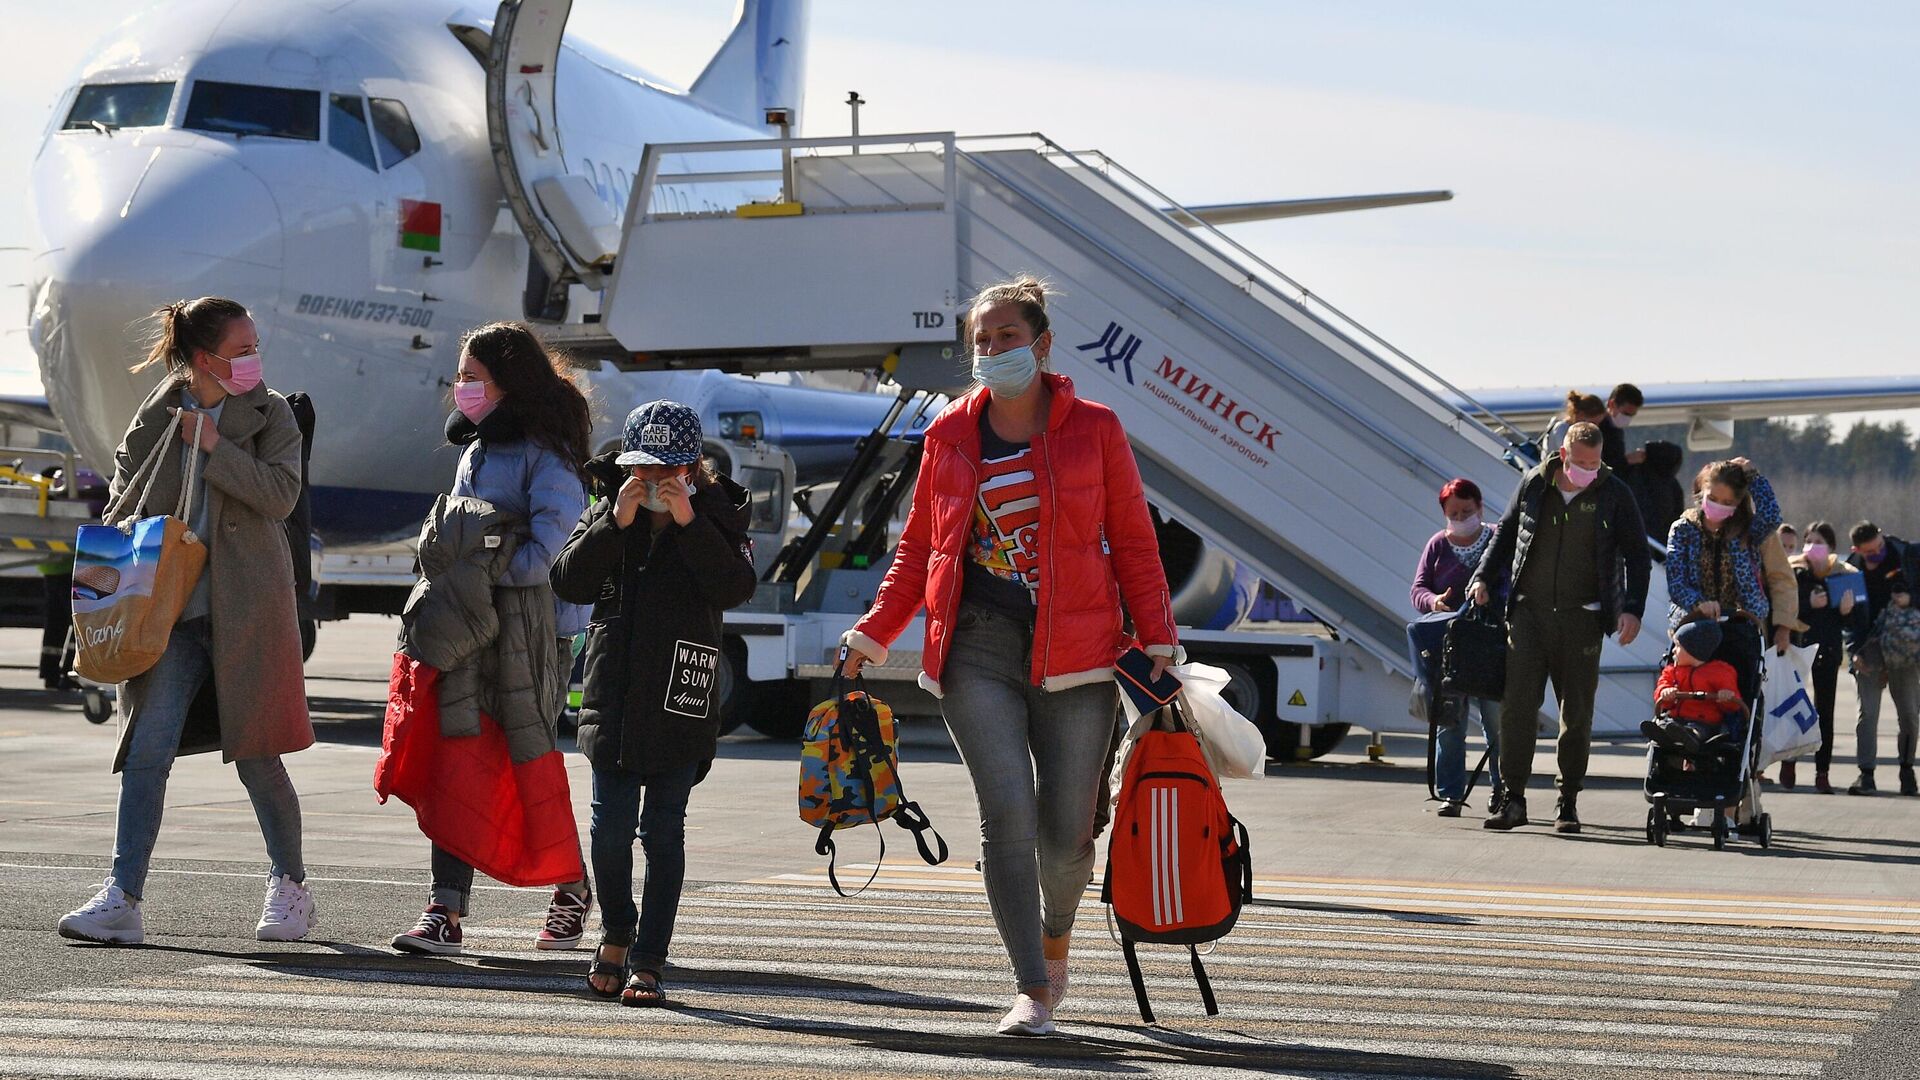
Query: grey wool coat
{"points": [[258, 690], [493, 643]]}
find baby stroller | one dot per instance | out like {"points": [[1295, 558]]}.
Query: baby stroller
{"points": [[1722, 775]]}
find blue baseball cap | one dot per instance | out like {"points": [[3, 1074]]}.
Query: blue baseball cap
{"points": [[660, 433]]}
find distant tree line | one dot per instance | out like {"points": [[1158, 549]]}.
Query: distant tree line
{"points": [[1871, 472]]}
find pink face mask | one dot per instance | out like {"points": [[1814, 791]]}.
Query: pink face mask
{"points": [[1578, 476], [246, 374], [471, 399], [1817, 553], [1716, 512]]}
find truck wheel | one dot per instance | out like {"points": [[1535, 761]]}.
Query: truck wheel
{"points": [[776, 708], [779, 709], [731, 687], [1299, 742], [1250, 695]]}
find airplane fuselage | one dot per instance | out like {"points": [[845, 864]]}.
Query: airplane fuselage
{"points": [[363, 254]]}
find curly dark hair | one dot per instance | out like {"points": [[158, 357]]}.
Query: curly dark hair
{"points": [[537, 387]]}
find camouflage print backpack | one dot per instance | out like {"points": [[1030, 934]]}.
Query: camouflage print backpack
{"points": [[850, 775], [1899, 637]]}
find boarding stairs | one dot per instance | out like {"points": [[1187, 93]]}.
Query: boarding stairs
{"points": [[1263, 418]]}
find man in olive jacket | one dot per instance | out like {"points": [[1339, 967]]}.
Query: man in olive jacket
{"points": [[1575, 550]]}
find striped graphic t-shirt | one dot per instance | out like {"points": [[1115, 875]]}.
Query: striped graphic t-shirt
{"points": [[1003, 553]]}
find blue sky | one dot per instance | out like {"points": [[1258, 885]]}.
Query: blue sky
{"points": [[1644, 191]]}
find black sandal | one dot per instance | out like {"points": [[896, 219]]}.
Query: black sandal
{"points": [[602, 969], [643, 990]]}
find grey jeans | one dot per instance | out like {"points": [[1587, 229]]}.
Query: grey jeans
{"points": [[1903, 685], [1038, 761]]}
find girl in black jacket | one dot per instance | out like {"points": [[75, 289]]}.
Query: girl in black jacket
{"points": [[660, 560]]}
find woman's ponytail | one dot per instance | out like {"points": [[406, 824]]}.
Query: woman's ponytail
{"points": [[185, 327]]}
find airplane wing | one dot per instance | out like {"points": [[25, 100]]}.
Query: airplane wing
{"points": [[1240, 213], [1680, 403], [1708, 409]]}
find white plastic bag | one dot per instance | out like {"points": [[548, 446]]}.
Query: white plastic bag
{"points": [[1233, 745], [1791, 724]]}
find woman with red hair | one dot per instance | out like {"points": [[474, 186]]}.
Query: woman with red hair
{"points": [[1440, 584]]}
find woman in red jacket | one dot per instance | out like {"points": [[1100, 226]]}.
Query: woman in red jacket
{"points": [[1028, 533]]}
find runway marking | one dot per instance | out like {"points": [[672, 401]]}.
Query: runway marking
{"points": [[1880, 915], [349, 982], [769, 976], [631, 1043]]}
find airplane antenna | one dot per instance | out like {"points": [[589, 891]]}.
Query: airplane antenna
{"points": [[854, 101]]}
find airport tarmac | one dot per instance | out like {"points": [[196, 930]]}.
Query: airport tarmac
{"points": [[1386, 941]]}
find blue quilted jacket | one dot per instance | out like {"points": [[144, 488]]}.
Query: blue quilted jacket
{"points": [[528, 480], [1686, 557]]}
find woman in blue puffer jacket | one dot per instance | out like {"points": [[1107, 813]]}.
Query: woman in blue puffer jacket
{"points": [[524, 427]]}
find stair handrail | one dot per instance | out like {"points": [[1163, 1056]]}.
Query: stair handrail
{"points": [[1349, 325]]}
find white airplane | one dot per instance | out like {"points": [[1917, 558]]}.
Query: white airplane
{"points": [[327, 164]]}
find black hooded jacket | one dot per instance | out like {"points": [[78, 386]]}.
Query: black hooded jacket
{"points": [[1656, 487], [651, 699]]}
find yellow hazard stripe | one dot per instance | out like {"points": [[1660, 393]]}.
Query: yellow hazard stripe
{"points": [[21, 543]]}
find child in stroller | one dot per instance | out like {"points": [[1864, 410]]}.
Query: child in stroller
{"points": [[1705, 736], [1695, 693]]}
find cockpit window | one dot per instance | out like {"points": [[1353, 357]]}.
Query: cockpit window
{"points": [[392, 131], [347, 128], [239, 109], [119, 105]]}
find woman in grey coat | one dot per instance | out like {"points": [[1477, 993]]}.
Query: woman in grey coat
{"points": [[238, 635], [523, 426]]}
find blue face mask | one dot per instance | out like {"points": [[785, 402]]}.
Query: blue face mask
{"points": [[1009, 373]]}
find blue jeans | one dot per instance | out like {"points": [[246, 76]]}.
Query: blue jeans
{"points": [[168, 689], [618, 817], [1450, 751]]}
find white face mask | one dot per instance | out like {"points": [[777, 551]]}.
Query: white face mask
{"points": [[1464, 530], [655, 498], [1008, 373], [1622, 421]]}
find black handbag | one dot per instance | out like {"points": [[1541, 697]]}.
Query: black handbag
{"points": [[1473, 659]]}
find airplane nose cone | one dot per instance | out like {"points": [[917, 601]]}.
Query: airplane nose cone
{"points": [[126, 228]]}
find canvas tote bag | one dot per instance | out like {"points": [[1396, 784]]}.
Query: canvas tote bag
{"points": [[132, 576]]}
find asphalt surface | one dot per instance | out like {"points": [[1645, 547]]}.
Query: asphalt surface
{"points": [[1385, 942]]}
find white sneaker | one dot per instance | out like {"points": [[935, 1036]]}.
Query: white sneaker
{"points": [[1056, 983], [1027, 1017], [111, 918], [287, 914]]}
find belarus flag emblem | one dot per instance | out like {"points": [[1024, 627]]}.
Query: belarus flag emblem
{"points": [[419, 225]]}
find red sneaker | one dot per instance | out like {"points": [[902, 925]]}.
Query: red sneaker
{"points": [[436, 935], [566, 920]]}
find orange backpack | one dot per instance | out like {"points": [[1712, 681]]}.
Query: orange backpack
{"points": [[1178, 867]]}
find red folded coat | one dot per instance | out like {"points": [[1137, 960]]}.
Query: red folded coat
{"points": [[513, 823]]}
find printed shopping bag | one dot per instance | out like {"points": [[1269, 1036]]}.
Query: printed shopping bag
{"points": [[1792, 725], [132, 576]]}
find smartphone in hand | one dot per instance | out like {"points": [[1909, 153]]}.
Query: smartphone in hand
{"points": [[1134, 672]]}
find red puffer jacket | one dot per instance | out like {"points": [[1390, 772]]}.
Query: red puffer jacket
{"points": [[1097, 546]]}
